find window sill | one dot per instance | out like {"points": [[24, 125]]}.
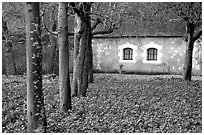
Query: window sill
{"points": [[152, 62], [132, 61]]}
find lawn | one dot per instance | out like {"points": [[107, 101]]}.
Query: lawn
{"points": [[114, 103]]}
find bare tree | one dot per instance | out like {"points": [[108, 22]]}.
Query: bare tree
{"points": [[62, 34], [35, 100], [64, 80], [81, 29], [53, 40], [87, 21], [191, 13], [192, 17], [105, 18]]}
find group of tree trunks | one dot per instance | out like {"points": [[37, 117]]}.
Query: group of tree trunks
{"points": [[83, 63], [82, 45]]}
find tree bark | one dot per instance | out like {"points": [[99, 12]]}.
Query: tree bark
{"points": [[4, 37], [53, 42], [13, 59], [188, 62], [64, 80], [90, 59], [35, 102], [79, 55], [87, 61], [190, 27], [80, 69], [4, 61], [53, 55], [189, 52]]}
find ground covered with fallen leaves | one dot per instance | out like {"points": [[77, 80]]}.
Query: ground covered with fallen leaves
{"points": [[114, 103]]}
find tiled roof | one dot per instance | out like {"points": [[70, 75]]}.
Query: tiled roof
{"points": [[128, 29]]}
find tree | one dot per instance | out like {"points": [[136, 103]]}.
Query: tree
{"points": [[193, 21], [86, 24], [62, 34], [191, 13], [185, 13], [64, 80], [35, 101], [105, 18], [54, 56], [81, 33]]}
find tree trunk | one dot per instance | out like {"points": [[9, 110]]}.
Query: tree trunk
{"points": [[64, 80], [13, 60], [79, 55], [80, 73], [4, 61], [90, 59], [189, 53], [188, 62], [53, 55], [10, 58], [53, 41], [35, 103], [4, 42], [87, 60]]}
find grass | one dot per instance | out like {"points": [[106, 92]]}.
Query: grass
{"points": [[114, 103]]}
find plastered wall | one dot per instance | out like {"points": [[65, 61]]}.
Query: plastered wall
{"points": [[107, 55]]}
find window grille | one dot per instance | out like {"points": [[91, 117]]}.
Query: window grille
{"points": [[127, 54], [151, 54]]}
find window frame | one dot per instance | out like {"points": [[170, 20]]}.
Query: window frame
{"points": [[152, 54], [145, 53], [121, 54], [127, 53]]}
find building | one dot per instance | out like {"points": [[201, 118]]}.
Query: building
{"points": [[158, 52]]}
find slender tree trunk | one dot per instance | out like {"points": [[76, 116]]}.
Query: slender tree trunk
{"points": [[10, 58], [4, 61], [189, 53], [90, 59], [53, 55], [53, 41], [77, 37], [87, 60], [35, 103], [13, 61], [4, 37], [188, 62], [64, 80], [84, 85]]}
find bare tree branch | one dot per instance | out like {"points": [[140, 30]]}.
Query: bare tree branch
{"points": [[108, 31], [75, 8], [197, 36], [98, 21], [104, 17], [43, 21], [197, 24]]}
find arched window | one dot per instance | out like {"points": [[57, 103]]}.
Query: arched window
{"points": [[152, 54], [127, 54]]}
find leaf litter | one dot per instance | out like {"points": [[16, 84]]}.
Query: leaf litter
{"points": [[114, 104]]}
